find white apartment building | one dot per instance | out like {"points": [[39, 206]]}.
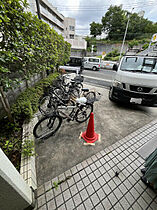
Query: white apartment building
{"points": [[63, 25], [48, 13]]}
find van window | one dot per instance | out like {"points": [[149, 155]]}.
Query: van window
{"points": [[94, 60], [139, 64]]}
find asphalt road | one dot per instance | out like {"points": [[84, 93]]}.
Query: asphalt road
{"points": [[101, 78], [113, 121]]}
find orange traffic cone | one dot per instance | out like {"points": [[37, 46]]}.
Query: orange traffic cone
{"points": [[89, 135]]}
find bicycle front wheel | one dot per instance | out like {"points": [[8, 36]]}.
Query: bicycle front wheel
{"points": [[47, 126], [91, 97], [83, 113]]}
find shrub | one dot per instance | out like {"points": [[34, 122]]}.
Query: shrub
{"points": [[111, 55], [27, 102]]}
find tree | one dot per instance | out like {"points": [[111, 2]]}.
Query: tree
{"points": [[27, 46], [114, 23], [95, 29]]}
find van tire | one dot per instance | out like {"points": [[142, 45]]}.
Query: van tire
{"points": [[94, 68]]}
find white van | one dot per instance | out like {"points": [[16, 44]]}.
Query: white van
{"points": [[136, 81], [93, 63]]}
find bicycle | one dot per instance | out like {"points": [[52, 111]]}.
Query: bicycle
{"points": [[49, 124]]}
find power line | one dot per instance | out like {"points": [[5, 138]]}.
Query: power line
{"points": [[83, 8]]}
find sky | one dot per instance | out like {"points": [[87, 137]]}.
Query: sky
{"points": [[87, 11]]}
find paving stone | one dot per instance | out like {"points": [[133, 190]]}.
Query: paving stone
{"points": [[97, 163], [62, 207], [106, 189], [64, 186], [124, 203], [88, 204], [101, 194], [73, 170], [99, 207], [49, 195], [129, 198], [118, 193], [73, 190], [142, 203], [77, 199], [107, 177], [89, 161], [80, 185], [51, 205], [153, 205], [93, 167], [41, 200], [106, 203], [117, 206], [40, 190], [102, 170], [86, 181], [147, 197], [97, 173], [96, 185], [70, 204], [71, 181], [59, 200], [101, 181], [77, 177], [82, 174], [84, 194], [91, 177], [107, 166], [134, 193], [88, 170], [127, 184], [81, 207], [48, 185], [57, 190], [79, 167], [112, 185], [84, 164], [94, 158], [43, 207], [122, 188], [102, 161], [95, 199], [112, 198], [90, 189], [66, 194]]}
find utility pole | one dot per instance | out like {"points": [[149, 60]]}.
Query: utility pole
{"points": [[38, 9], [125, 34]]}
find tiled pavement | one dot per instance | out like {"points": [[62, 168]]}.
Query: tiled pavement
{"points": [[92, 184]]}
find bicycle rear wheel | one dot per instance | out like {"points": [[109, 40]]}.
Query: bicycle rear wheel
{"points": [[47, 126], [83, 113], [46, 105]]}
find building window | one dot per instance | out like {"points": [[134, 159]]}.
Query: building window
{"points": [[71, 28], [71, 36]]}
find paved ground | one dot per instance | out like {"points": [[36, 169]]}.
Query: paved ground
{"points": [[92, 184], [65, 150]]}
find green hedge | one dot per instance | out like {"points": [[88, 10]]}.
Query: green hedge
{"points": [[27, 102]]}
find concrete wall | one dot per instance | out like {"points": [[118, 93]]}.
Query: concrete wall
{"points": [[13, 94], [15, 194], [108, 48]]}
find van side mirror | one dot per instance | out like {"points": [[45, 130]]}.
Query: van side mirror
{"points": [[115, 67]]}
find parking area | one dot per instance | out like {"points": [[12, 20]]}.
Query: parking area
{"points": [[64, 150]]}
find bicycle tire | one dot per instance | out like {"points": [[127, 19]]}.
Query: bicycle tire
{"points": [[90, 96], [82, 111], [46, 105], [43, 128]]}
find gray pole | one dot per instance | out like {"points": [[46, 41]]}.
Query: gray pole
{"points": [[38, 9], [125, 34]]}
